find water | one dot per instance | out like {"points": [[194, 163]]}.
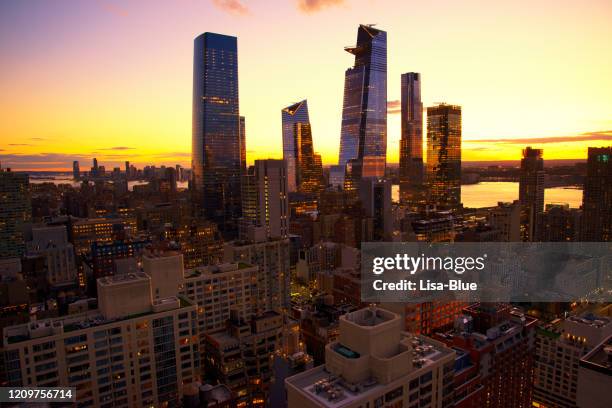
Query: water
{"points": [[484, 194], [489, 193], [66, 179]]}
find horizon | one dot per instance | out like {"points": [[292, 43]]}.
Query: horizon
{"points": [[117, 91]]}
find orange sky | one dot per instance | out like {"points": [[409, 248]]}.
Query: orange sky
{"points": [[113, 79]]}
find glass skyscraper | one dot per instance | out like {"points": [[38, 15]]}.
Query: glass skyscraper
{"points": [[363, 138], [216, 131], [411, 142], [531, 192], [444, 155], [303, 166]]}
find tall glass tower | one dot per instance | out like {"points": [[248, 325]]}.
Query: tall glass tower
{"points": [[411, 142], [444, 155], [363, 137], [303, 167], [216, 142]]}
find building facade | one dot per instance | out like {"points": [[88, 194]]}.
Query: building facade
{"points": [[411, 142], [216, 132], [444, 155], [363, 138]]}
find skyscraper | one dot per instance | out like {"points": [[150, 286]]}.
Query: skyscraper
{"points": [[531, 191], [444, 154], [264, 198], [597, 196], [243, 163], [216, 147], [303, 168], [76, 170], [15, 211], [411, 143], [363, 135]]}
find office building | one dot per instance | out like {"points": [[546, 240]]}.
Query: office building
{"points": [[132, 351], [304, 170], [597, 196], [76, 171], [531, 192], [264, 199], [375, 196], [411, 142], [273, 278], [243, 155], [374, 363], [104, 255], [216, 149], [85, 231], [444, 155], [560, 345], [363, 138], [594, 376], [15, 212]]}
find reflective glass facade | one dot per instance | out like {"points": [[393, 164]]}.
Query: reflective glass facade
{"points": [[364, 113], [411, 142], [216, 133], [303, 167], [444, 155]]}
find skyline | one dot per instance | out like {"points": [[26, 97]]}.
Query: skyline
{"points": [[106, 90]]}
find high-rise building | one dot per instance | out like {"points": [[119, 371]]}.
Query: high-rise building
{"points": [[597, 196], [506, 218], [76, 170], [560, 345], [500, 341], [15, 212], [243, 161], [131, 351], [52, 244], [264, 199], [273, 278], [559, 223], [375, 196], [303, 169], [375, 363], [411, 142], [216, 147], [241, 356], [95, 170], [594, 375], [444, 155], [363, 136], [531, 192], [127, 169]]}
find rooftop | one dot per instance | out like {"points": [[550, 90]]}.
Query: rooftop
{"points": [[326, 389], [600, 358]]}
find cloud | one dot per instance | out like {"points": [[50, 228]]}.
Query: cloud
{"points": [[232, 6], [583, 137], [19, 144], [118, 148], [313, 6], [37, 139], [394, 107]]}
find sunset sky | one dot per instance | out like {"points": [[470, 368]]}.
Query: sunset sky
{"points": [[113, 79]]}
